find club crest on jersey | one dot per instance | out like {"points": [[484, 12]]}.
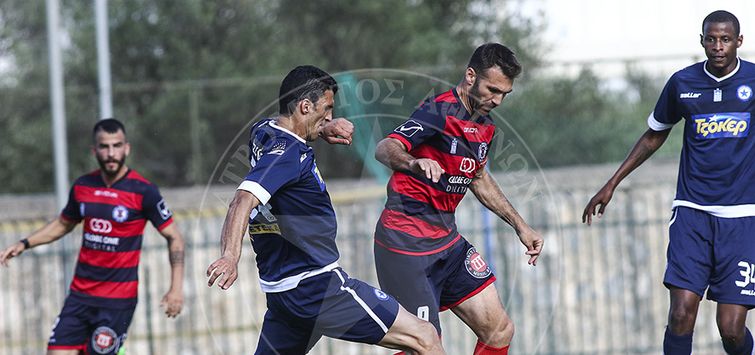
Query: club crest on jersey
{"points": [[721, 125], [476, 265], [381, 295], [104, 340], [120, 214], [482, 151], [409, 128], [744, 92]]}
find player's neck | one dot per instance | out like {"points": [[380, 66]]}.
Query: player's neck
{"points": [[111, 180], [290, 124], [466, 100]]}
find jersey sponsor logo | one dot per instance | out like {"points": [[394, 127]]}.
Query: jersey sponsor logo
{"points": [[318, 177], [263, 228], [409, 128], [120, 214], [722, 125], [476, 265], [380, 294], [470, 129], [467, 165], [106, 193], [689, 95], [457, 179], [104, 340], [482, 151], [165, 212], [99, 225], [744, 92]]}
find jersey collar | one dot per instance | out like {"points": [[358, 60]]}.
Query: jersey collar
{"points": [[272, 124], [717, 79]]}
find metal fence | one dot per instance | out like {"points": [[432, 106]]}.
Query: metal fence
{"points": [[596, 290]]}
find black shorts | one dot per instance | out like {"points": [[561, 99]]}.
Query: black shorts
{"points": [[426, 285], [97, 330]]}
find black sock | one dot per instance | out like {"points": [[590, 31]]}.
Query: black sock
{"points": [[677, 344]]}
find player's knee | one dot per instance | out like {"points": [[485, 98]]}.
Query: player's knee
{"points": [[681, 320], [497, 332], [730, 334], [427, 338]]}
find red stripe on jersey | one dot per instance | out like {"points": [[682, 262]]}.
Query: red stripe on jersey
{"points": [[109, 259], [136, 176], [107, 196], [409, 186], [401, 139], [114, 229], [447, 96], [81, 347], [415, 253], [164, 225], [469, 130], [105, 289], [412, 226]]}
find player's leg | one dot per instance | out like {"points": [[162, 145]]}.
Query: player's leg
{"points": [[484, 314], [736, 338], [410, 332], [70, 330], [283, 337], [689, 270], [110, 330], [353, 310]]}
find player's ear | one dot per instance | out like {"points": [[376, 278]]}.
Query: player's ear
{"points": [[305, 106], [127, 148], [739, 40], [470, 76], [701, 41]]}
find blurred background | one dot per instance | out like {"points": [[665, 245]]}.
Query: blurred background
{"points": [[190, 77]]}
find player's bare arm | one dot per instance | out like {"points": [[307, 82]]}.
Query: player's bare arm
{"points": [[337, 131], [225, 269], [51, 232], [487, 191], [648, 143], [173, 300], [392, 153]]}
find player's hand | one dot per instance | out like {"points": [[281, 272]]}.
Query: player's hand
{"points": [[428, 167], [224, 270], [602, 198], [11, 252], [337, 131], [172, 303], [534, 243]]}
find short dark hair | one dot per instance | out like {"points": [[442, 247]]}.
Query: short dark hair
{"points": [[304, 82], [109, 125], [490, 54], [722, 16]]}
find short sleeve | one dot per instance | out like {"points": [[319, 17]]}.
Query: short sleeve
{"points": [[276, 167], [427, 121], [155, 209], [72, 211], [666, 113]]}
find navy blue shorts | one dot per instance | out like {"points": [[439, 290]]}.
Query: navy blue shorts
{"points": [[710, 252], [428, 284], [97, 330], [330, 304]]}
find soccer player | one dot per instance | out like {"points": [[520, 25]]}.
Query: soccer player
{"points": [[115, 204], [711, 244], [437, 155], [292, 226]]}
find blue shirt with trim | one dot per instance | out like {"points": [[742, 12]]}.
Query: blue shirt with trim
{"points": [[717, 165], [293, 230]]}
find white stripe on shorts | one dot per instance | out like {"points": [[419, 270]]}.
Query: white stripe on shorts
{"points": [[361, 302]]}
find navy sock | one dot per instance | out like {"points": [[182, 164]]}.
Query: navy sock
{"points": [[745, 349], [677, 344]]}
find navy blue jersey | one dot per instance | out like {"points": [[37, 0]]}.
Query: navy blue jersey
{"points": [[717, 165], [293, 230], [114, 219]]}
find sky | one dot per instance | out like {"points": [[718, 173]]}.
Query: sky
{"points": [[663, 33]]}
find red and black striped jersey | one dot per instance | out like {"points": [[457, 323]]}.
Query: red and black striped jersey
{"points": [[418, 218], [114, 219]]}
